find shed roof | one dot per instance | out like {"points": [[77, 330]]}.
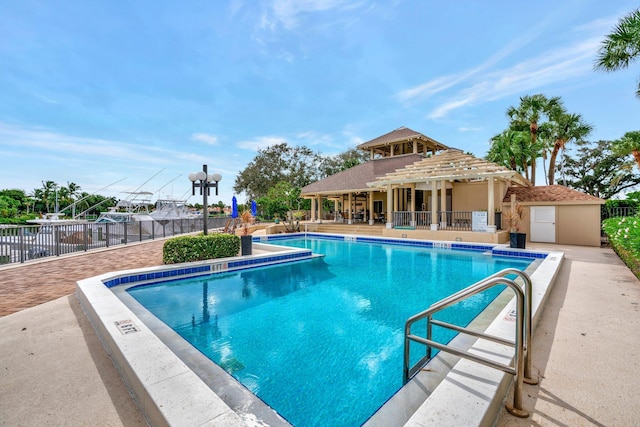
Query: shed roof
{"points": [[450, 165], [355, 179], [400, 135], [551, 193]]}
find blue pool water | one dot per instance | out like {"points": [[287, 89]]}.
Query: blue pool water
{"points": [[321, 341]]}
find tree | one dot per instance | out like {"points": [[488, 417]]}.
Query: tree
{"points": [[622, 46], [284, 201], [297, 165], [531, 110], [597, 170], [565, 127], [348, 159], [629, 144], [511, 149]]}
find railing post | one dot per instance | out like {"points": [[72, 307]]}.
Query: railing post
{"points": [[21, 244]]}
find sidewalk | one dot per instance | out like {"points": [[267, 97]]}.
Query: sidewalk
{"points": [[55, 372]]}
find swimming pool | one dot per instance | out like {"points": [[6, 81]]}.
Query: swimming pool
{"points": [[332, 352]]}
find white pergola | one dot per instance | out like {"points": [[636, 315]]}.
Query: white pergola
{"points": [[445, 167]]}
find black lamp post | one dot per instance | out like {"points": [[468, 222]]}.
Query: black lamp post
{"points": [[205, 183]]}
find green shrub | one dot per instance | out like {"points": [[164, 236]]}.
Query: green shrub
{"points": [[624, 237], [199, 248]]}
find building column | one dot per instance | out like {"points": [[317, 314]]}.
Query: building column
{"points": [[396, 197], [491, 219], [335, 210], [389, 206], [319, 204], [434, 205], [313, 209], [412, 206], [443, 204], [350, 210], [371, 220]]}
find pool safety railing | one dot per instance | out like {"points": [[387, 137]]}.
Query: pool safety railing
{"points": [[521, 368]]}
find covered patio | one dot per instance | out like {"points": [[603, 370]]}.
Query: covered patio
{"points": [[447, 192]]}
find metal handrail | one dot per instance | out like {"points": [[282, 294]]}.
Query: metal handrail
{"points": [[523, 333], [528, 291]]}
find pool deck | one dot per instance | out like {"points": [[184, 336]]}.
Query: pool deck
{"points": [[55, 371]]}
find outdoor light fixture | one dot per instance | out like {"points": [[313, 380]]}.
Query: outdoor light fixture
{"points": [[206, 182]]}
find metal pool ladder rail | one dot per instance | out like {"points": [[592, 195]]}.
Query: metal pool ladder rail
{"points": [[522, 344]]}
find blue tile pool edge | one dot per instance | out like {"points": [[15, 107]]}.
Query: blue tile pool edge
{"points": [[172, 272], [497, 250]]}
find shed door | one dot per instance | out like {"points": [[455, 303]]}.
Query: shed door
{"points": [[543, 224]]}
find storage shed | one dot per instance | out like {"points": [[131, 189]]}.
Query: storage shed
{"points": [[557, 214]]}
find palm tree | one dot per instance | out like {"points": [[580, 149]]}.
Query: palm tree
{"points": [[511, 149], [629, 144], [565, 128], [622, 46], [531, 109]]}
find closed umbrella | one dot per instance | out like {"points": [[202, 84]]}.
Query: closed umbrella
{"points": [[234, 207], [254, 208]]}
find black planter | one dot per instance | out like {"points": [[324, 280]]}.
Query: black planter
{"points": [[246, 244], [498, 219], [517, 240]]}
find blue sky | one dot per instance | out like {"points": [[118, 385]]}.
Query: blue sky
{"points": [[96, 92]]}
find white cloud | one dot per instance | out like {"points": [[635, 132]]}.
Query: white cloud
{"points": [[487, 82], [261, 142], [206, 138], [441, 83], [469, 128], [532, 74], [287, 13]]}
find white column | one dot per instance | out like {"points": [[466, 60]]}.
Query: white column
{"points": [[412, 207], [434, 205], [350, 210], [313, 209], [335, 210], [389, 206], [491, 217], [443, 204], [319, 209]]}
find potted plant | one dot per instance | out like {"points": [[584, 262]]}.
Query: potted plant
{"points": [[514, 216], [246, 238]]}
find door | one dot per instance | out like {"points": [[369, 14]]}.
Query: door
{"points": [[543, 224]]}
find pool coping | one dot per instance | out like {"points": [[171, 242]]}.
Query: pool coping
{"points": [[169, 393]]}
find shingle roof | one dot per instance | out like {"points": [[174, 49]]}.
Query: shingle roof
{"points": [[451, 164], [355, 179], [550, 193], [399, 135]]}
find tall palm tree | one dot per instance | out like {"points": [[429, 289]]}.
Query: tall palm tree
{"points": [[622, 46], [566, 127], [629, 144], [531, 110]]}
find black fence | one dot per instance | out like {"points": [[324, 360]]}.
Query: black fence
{"points": [[24, 243]]}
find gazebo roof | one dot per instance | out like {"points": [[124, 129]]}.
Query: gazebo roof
{"points": [[355, 179], [451, 165], [402, 134]]}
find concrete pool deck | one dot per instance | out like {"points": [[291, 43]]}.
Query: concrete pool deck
{"points": [[55, 371]]}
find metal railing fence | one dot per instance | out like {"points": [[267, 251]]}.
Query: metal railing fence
{"points": [[421, 220], [23, 243]]}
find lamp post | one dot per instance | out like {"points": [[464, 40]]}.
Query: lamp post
{"points": [[206, 182]]}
